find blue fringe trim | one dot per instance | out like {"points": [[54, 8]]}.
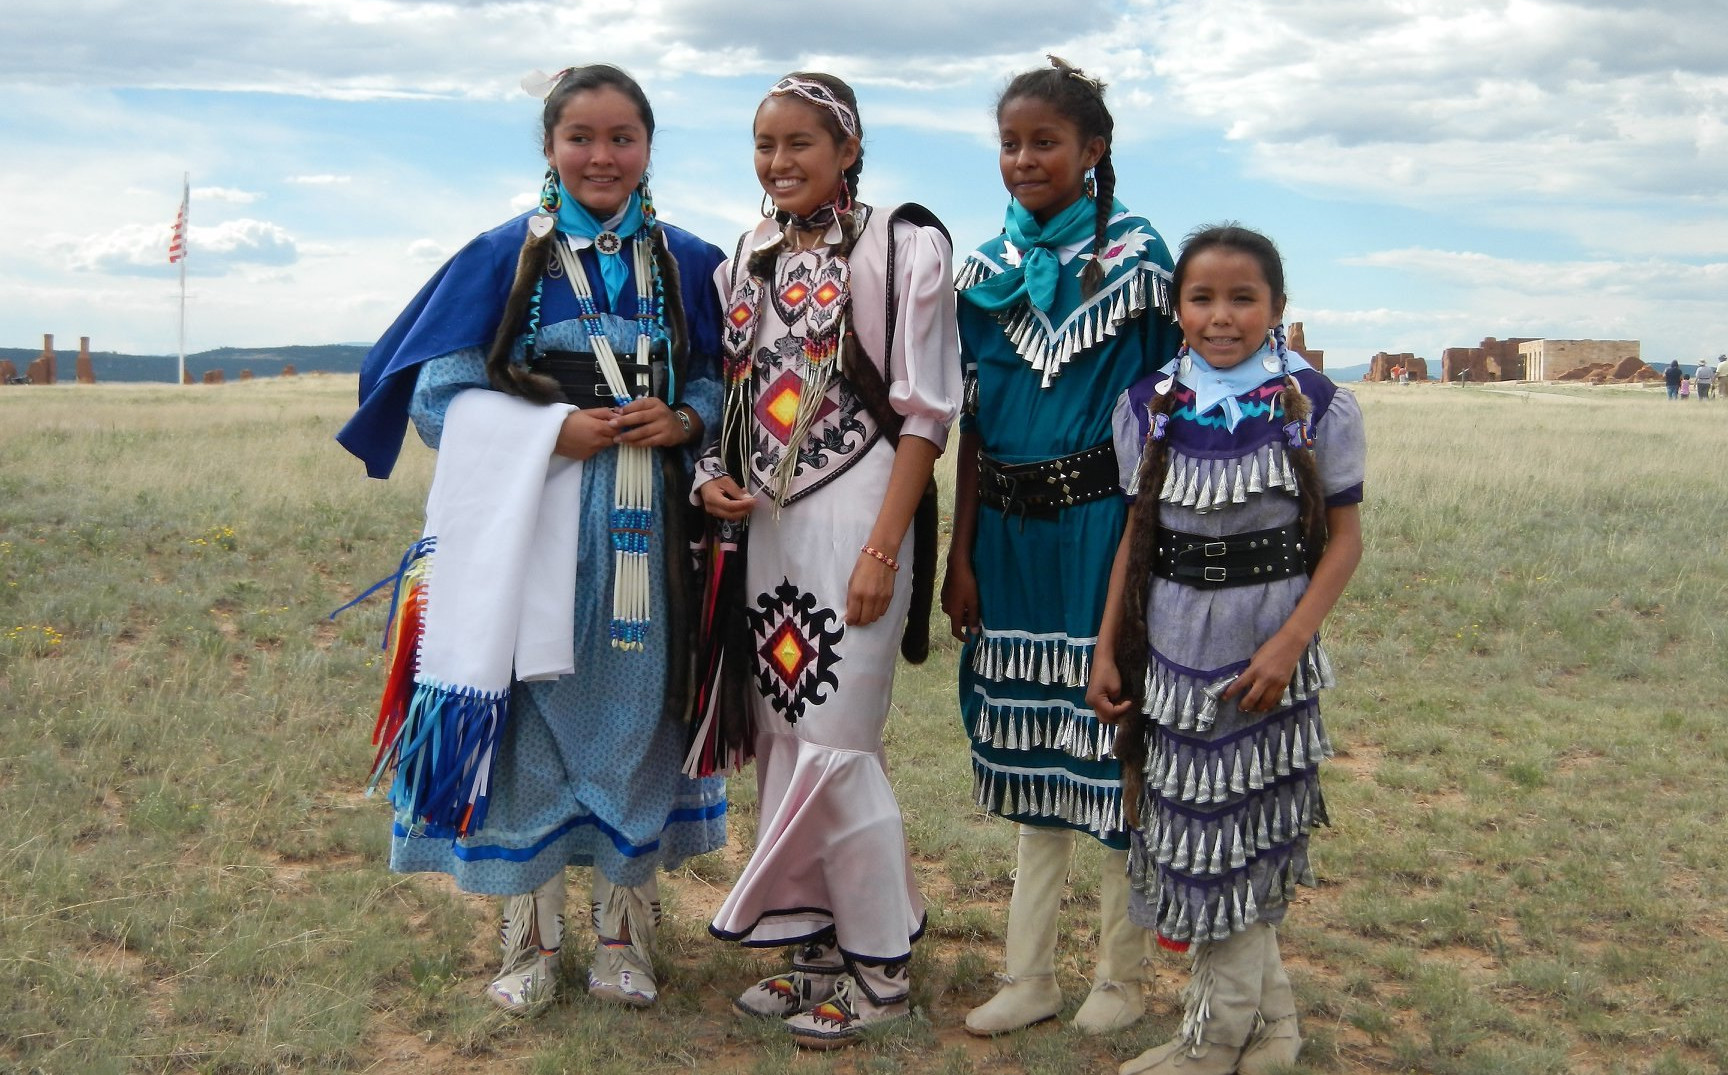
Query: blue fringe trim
{"points": [[446, 751]]}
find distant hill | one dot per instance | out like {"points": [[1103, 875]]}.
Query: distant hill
{"points": [[262, 361], [1348, 373]]}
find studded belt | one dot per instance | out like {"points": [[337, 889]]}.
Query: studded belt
{"points": [[1234, 560], [1046, 487]]}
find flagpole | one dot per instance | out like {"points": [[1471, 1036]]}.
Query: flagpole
{"points": [[185, 210]]}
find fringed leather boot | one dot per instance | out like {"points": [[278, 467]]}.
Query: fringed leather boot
{"points": [[532, 933], [625, 921], [1220, 1008]]}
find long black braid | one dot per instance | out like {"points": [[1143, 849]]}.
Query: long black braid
{"points": [[1079, 98]]}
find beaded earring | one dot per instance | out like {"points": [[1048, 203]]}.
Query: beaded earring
{"points": [[1091, 184], [549, 196]]}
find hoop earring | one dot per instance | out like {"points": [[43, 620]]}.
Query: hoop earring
{"points": [[1091, 184], [550, 199], [767, 206], [843, 200]]}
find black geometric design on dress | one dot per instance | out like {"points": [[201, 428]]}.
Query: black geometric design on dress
{"points": [[796, 649]]}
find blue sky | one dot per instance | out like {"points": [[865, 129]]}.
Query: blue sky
{"points": [[1436, 171]]}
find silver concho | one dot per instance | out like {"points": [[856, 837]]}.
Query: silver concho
{"points": [[607, 242], [1272, 363]]}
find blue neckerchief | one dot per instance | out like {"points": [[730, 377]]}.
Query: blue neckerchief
{"points": [[1216, 389], [1034, 279], [575, 220]]}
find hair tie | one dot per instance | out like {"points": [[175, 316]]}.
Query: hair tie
{"points": [[821, 96]]}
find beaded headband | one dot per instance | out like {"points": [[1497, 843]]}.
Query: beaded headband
{"points": [[821, 96]]}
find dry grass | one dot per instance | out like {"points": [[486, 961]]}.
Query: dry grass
{"points": [[1522, 875]]}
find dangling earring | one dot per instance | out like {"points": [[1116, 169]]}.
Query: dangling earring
{"points": [[1091, 184], [649, 219], [767, 206], [550, 199]]}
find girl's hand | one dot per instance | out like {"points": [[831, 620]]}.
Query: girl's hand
{"points": [[649, 423], [1262, 683], [585, 434], [1104, 689], [960, 600], [869, 591], [723, 499]]}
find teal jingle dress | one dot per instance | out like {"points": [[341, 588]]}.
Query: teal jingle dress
{"points": [[1041, 383]]}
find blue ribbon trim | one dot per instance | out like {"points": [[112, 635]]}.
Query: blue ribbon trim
{"points": [[494, 852]]}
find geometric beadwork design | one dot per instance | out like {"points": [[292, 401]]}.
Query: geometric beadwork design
{"points": [[777, 405], [796, 648]]}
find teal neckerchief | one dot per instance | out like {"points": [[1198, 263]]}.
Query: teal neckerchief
{"points": [[1216, 389], [574, 219], [1034, 279]]}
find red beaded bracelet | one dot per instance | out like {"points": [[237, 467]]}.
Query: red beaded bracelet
{"points": [[870, 550]]}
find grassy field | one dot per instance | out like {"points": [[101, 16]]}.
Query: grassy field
{"points": [[1524, 872]]}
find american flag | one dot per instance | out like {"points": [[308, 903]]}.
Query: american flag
{"points": [[177, 243]]}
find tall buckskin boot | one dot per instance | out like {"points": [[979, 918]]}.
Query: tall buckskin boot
{"points": [[1124, 957], [625, 920], [532, 933], [1220, 1007], [1276, 1039], [1029, 993]]}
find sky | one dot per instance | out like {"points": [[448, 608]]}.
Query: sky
{"points": [[1435, 171]]}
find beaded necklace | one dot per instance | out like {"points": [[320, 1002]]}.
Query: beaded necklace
{"points": [[632, 519]]}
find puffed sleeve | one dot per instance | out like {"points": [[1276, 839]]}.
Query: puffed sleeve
{"points": [[924, 382], [1129, 439], [1341, 450]]}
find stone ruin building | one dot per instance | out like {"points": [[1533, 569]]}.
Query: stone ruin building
{"points": [[1491, 360], [1557, 360], [43, 370]]}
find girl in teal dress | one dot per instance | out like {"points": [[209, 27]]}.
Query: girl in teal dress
{"points": [[1058, 314]]}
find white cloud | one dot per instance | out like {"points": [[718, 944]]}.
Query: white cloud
{"points": [[1517, 100], [319, 180], [224, 194], [142, 249]]}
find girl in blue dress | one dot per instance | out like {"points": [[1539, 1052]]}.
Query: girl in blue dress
{"points": [[1058, 314], [535, 717], [1246, 464]]}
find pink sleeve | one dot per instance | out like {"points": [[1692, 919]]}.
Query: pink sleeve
{"points": [[924, 382]]}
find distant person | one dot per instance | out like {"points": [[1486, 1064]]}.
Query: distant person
{"points": [[563, 364], [1705, 378], [1721, 373], [1397, 373], [1685, 388], [1403, 374], [1672, 377], [1209, 660]]}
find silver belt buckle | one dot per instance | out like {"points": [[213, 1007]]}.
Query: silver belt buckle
{"points": [[1215, 548], [1215, 574]]}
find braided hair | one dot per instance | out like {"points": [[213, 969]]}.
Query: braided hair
{"points": [[1131, 636], [522, 302], [1079, 98]]}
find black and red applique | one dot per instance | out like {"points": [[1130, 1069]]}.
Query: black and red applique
{"points": [[796, 649]]}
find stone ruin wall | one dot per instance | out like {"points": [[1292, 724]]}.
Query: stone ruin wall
{"points": [[1492, 360], [1380, 366], [1297, 341]]}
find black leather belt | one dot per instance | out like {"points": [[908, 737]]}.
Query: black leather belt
{"points": [[578, 374], [1049, 485], [1233, 560]]}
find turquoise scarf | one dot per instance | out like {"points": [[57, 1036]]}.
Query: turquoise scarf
{"points": [[1034, 279], [575, 219]]}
